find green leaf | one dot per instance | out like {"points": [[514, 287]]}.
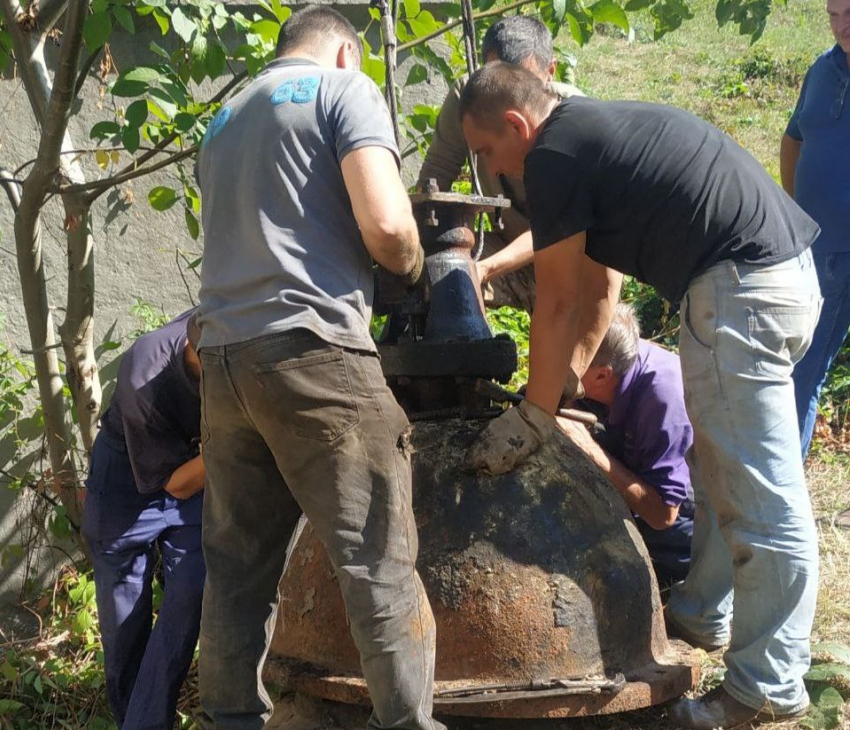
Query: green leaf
{"points": [[130, 138], [147, 74], [268, 30], [160, 51], [184, 121], [162, 21], [164, 103], [412, 8], [824, 710], [839, 652], [199, 53], [127, 88], [137, 113], [184, 26], [669, 15], [192, 225], [216, 60], [633, 5], [162, 197], [827, 672], [102, 130], [423, 24], [8, 707], [607, 11], [559, 10], [96, 30], [125, 20], [418, 74]]}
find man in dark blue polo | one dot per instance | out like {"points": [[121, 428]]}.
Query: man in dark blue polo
{"points": [[815, 167], [145, 491], [647, 435]]}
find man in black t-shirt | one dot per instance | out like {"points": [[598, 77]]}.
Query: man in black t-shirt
{"points": [[654, 192]]}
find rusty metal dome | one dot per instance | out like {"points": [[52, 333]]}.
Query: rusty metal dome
{"points": [[544, 597]]}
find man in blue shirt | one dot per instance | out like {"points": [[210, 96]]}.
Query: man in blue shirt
{"points": [[647, 435], [145, 491], [815, 167]]}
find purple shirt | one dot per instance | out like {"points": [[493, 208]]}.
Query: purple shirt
{"points": [[156, 409], [648, 426]]}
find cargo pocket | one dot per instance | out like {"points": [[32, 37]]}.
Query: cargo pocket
{"points": [[315, 393]]}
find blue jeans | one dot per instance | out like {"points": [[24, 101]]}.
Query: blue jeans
{"points": [[145, 667], [810, 373], [754, 555]]}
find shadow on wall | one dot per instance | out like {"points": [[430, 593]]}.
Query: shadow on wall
{"points": [[33, 544]]}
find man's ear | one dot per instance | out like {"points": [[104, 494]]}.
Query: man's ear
{"points": [[520, 122], [604, 374], [347, 57], [550, 70]]}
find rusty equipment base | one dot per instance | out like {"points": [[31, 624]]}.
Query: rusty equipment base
{"points": [[652, 684]]}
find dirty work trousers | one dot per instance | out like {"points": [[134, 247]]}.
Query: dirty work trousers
{"points": [[754, 555], [810, 373], [145, 667], [291, 423]]}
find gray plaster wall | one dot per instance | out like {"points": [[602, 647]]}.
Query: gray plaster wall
{"points": [[137, 250]]}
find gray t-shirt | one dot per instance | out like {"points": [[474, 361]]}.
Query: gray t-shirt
{"points": [[282, 249]]}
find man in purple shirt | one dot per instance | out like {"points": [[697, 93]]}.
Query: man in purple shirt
{"points": [[145, 494], [647, 434]]}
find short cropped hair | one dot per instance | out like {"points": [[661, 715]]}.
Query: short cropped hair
{"points": [[313, 28], [619, 348], [517, 38], [498, 87]]}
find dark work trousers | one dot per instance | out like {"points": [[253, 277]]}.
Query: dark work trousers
{"points": [[291, 423], [145, 667]]}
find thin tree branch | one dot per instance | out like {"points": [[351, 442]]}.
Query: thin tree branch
{"points": [[84, 69], [12, 188], [454, 23], [49, 11], [101, 185]]}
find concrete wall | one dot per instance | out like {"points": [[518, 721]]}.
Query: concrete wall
{"points": [[137, 250]]}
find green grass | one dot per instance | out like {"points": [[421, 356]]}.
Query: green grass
{"points": [[710, 71]]}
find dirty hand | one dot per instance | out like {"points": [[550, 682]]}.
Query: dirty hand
{"points": [[510, 439], [577, 433], [392, 288]]}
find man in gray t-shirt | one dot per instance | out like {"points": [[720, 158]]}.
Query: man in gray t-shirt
{"points": [[301, 191]]}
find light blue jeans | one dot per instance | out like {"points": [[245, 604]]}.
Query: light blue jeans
{"points": [[754, 553], [809, 375]]}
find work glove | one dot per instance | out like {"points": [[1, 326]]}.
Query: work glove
{"points": [[510, 439], [393, 288]]}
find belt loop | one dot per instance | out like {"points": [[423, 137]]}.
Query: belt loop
{"points": [[735, 276]]}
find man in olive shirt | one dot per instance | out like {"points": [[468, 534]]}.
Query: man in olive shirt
{"points": [[654, 192], [504, 270]]}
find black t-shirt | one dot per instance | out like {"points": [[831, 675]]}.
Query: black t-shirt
{"points": [[662, 194], [156, 408]]}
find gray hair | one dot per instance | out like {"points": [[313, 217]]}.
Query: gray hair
{"points": [[517, 38], [619, 348]]}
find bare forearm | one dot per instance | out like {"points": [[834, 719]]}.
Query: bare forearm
{"points": [[518, 253], [640, 497], [789, 154], [187, 479], [554, 333], [599, 298]]}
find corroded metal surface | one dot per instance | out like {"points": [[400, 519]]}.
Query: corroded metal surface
{"points": [[533, 575], [652, 684]]}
